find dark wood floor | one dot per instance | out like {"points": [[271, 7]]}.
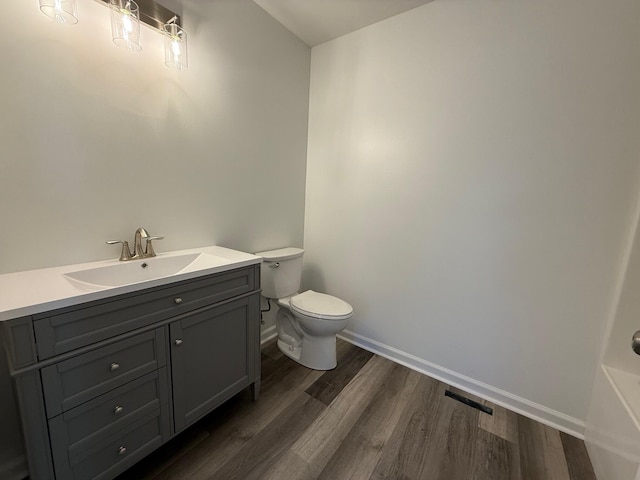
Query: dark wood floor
{"points": [[368, 419]]}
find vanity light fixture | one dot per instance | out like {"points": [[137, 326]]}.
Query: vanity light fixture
{"points": [[126, 16], [175, 45], [62, 11], [125, 24]]}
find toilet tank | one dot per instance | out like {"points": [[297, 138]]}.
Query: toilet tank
{"points": [[281, 272]]}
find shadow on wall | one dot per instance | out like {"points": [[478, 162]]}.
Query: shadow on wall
{"points": [[312, 279]]}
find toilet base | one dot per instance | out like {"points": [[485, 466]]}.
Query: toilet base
{"points": [[317, 353]]}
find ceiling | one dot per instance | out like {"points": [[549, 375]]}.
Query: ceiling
{"points": [[318, 21]]}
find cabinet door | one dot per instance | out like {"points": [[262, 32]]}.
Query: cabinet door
{"points": [[212, 358]]}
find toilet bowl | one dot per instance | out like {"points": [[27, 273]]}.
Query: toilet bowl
{"points": [[307, 323]]}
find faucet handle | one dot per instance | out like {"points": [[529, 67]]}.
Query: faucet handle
{"points": [[148, 249], [125, 254]]}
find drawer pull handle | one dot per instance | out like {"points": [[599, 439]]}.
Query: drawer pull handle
{"points": [[178, 300], [118, 410], [122, 450], [114, 366], [178, 342]]}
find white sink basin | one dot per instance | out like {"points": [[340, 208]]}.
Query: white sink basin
{"points": [[42, 290], [135, 271]]}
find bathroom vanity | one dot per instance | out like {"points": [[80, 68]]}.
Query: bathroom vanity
{"points": [[106, 372]]}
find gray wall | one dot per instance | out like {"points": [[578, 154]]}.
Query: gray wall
{"points": [[472, 175], [97, 141]]}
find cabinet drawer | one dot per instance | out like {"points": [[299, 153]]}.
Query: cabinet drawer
{"points": [[67, 329], [72, 382], [111, 412], [113, 455]]}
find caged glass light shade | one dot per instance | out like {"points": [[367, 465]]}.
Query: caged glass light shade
{"points": [[125, 24], [62, 11], [175, 47]]}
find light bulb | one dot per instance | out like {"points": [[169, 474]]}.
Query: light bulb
{"points": [[62, 11], [176, 48], [59, 13], [125, 24]]}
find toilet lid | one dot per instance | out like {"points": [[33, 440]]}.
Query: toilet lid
{"points": [[320, 305]]}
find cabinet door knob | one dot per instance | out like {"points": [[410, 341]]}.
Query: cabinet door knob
{"points": [[177, 300], [114, 366], [118, 410], [122, 450], [178, 342]]}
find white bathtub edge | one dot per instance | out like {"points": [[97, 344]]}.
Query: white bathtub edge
{"points": [[612, 438], [619, 381]]}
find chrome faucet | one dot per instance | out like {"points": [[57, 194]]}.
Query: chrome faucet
{"points": [[138, 250], [137, 242]]}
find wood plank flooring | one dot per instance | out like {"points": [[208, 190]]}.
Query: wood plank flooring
{"points": [[369, 418]]}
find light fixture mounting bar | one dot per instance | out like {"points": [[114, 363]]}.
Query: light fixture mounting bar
{"points": [[154, 14]]}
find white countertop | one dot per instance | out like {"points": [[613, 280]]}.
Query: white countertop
{"points": [[36, 291]]}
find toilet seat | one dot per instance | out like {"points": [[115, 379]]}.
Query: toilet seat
{"points": [[320, 305]]}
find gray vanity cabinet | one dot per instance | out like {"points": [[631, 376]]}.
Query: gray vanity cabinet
{"points": [[213, 356], [103, 437], [102, 384], [72, 382]]}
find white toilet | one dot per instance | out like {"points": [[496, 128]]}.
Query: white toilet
{"points": [[307, 323]]}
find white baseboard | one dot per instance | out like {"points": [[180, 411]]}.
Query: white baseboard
{"points": [[535, 411], [267, 334]]}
